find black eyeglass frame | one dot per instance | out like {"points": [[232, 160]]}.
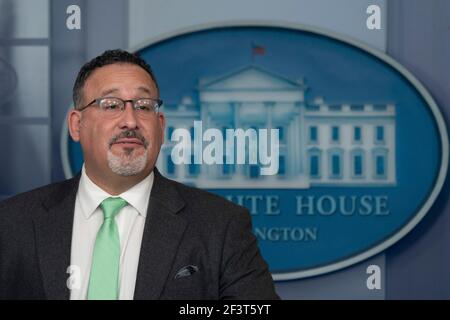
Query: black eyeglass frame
{"points": [[133, 102]]}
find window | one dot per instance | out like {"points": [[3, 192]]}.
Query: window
{"points": [[224, 135], [380, 107], [312, 107], [357, 165], [314, 157], [357, 134], [254, 171], [335, 134], [224, 132], [380, 163], [380, 169], [282, 165], [254, 137], [25, 67], [170, 165], [281, 133], [169, 133], [379, 134], [357, 107], [314, 165], [193, 169], [313, 135], [227, 168], [335, 163], [335, 108]]}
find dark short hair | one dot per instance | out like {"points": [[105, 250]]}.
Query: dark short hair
{"points": [[106, 58]]}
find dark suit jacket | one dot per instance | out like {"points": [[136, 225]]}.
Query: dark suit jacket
{"points": [[184, 227]]}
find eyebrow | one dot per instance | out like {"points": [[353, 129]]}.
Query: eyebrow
{"points": [[109, 91], [146, 90], [114, 90]]}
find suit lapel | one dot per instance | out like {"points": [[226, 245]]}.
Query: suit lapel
{"points": [[53, 228], [163, 232]]}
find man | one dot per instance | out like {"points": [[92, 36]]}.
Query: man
{"points": [[119, 229]]}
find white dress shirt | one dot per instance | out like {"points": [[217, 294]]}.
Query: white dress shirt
{"points": [[88, 218]]}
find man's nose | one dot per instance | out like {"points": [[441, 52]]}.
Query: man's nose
{"points": [[128, 117]]}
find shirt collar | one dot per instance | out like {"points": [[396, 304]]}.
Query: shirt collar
{"points": [[91, 195]]}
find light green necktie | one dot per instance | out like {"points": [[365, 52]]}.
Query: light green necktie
{"points": [[104, 279]]}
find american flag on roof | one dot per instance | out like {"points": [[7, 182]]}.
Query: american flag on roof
{"points": [[258, 49]]}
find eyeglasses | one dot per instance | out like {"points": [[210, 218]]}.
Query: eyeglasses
{"points": [[113, 107]]}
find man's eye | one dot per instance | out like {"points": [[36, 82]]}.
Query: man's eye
{"points": [[143, 108], [111, 107]]}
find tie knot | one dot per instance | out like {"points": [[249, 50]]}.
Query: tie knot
{"points": [[111, 207]]}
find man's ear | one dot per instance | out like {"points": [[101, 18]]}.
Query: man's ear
{"points": [[162, 123], [74, 124]]}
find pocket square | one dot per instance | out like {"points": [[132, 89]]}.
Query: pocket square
{"points": [[186, 271]]}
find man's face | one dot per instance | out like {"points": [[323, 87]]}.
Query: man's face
{"points": [[126, 145]]}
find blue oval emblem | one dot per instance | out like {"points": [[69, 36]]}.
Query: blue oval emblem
{"points": [[363, 148]]}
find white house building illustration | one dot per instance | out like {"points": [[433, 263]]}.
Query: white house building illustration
{"points": [[321, 144]]}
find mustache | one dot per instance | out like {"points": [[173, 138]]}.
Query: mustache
{"points": [[129, 134]]}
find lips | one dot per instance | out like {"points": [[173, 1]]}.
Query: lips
{"points": [[129, 141]]}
